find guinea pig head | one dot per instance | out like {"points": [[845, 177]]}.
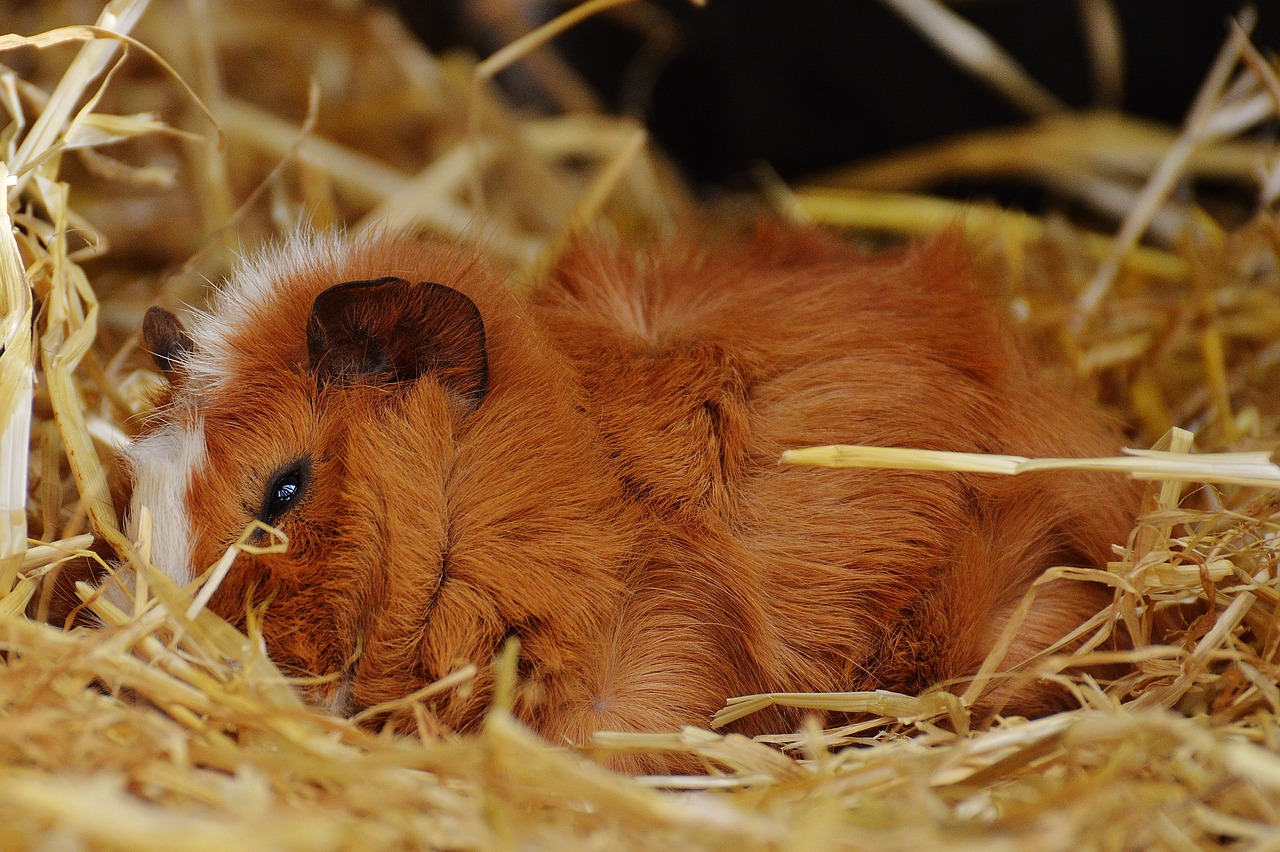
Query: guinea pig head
{"points": [[343, 395]]}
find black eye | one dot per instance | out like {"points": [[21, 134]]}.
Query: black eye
{"points": [[285, 491]]}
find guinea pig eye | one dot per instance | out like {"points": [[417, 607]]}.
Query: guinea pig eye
{"points": [[285, 491]]}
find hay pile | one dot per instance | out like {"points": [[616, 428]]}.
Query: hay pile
{"points": [[133, 175]]}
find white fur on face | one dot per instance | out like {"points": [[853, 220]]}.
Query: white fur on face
{"points": [[163, 466], [249, 292]]}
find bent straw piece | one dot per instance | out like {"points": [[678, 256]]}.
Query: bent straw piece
{"points": [[615, 169], [41, 554], [636, 741], [95, 129], [1000, 649], [15, 602], [1253, 469], [365, 178], [23, 169], [587, 208], [463, 675], [882, 702], [1109, 146], [753, 763], [428, 195], [704, 782], [119, 16], [531, 41], [551, 73], [1252, 763], [215, 195], [143, 548], [1102, 30], [576, 135], [1267, 74], [910, 213], [518, 756], [839, 455], [17, 378], [1166, 174], [1169, 494], [279, 542], [508, 55], [975, 52], [71, 325]]}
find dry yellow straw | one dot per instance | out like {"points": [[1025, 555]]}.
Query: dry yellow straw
{"points": [[1253, 469], [119, 16], [17, 373], [1102, 31], [193, 739], [588, 207], [1208, 120], [908, 213], [975, 52]]}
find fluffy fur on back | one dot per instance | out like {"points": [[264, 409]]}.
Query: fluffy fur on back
{"points": [[615, 499]]}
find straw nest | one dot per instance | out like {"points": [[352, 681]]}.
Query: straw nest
{"points": [[142, 153]]}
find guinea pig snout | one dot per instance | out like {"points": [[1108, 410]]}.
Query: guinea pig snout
{"points": [[163, 465]]}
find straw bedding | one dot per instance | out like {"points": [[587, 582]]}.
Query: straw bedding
{"points": [[138, 164]]}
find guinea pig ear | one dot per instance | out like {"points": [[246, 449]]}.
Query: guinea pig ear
{"points": [[165, 338], [389, 330]]}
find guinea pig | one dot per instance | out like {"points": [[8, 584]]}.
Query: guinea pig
{"points": [[594, 469]]}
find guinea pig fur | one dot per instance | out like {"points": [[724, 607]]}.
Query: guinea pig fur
{"points": [[595, 470]]}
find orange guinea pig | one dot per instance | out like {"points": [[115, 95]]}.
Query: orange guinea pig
{"points": [[595, 470]]}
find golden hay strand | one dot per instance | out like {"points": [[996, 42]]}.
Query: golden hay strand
{"points": [[978, 54], [16, 375]]}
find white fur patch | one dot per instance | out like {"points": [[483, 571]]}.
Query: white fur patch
{"points": [[163, 465], [342, 701], [250, 289]]}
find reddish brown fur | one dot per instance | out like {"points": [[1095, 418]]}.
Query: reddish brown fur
{"points": [[616, 499]]}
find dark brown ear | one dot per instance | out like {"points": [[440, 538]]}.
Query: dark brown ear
{"points": [[389, 330], [165, 338]]}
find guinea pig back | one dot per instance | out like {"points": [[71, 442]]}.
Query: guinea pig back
{"points": [[596, 471]]}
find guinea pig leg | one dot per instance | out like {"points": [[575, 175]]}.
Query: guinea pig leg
{"points": [[951, 631]]}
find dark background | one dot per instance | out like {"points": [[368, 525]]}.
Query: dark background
{"points": [[808, 85]]}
